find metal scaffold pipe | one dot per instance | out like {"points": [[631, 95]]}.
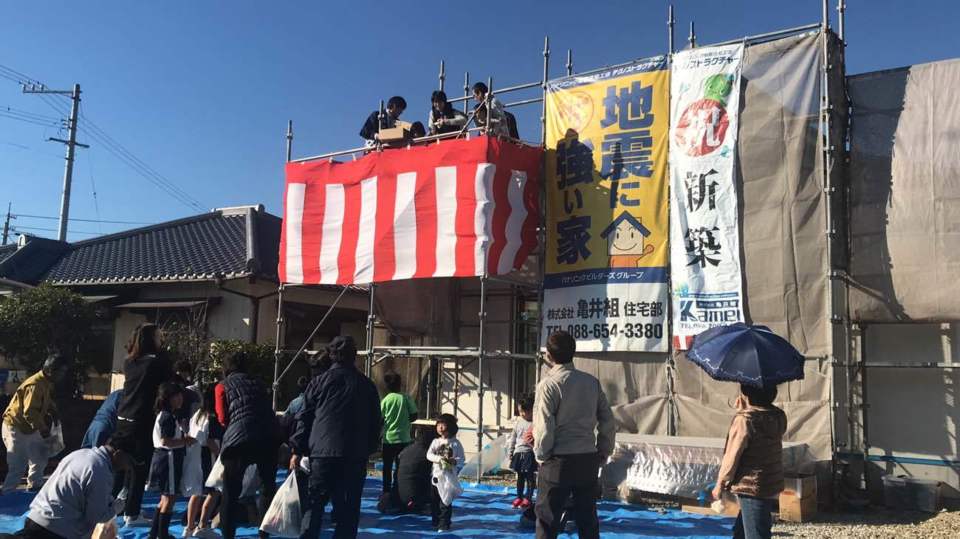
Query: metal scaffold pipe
{"points": [[670, 24], [278, 351], [841, 20], [289, 140], [480, 388]]}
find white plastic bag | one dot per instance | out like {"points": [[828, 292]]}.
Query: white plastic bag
{"points": [[447, 485], [284, 518], [251, 480], [495, 458], [55, 441], [105, 530]]}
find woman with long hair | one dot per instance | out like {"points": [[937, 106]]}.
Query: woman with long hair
{"points": [[144, 370]]}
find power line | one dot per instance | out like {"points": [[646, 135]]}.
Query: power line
{"points": [[93, 188], [109, 143], [94, 131], [18, 227], [27, 114], [104, 221], [16, 76], [14, 116]]}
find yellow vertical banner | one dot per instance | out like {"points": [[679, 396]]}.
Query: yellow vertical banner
{"points": [[607, 207]]}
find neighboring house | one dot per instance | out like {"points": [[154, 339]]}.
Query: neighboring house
{"points": [[216, 272]]}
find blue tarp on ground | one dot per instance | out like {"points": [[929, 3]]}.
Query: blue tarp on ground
{"points": [[480, 512]]}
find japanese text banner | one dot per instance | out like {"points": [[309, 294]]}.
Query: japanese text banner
{"points": [[705, 251], [606, 207], [461, 208]]}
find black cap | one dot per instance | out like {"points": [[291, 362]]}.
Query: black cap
{"points": [[54, 362], [342, 349]]}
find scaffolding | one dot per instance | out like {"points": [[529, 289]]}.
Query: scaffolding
{"points": [[466, 356], [462, 356]]}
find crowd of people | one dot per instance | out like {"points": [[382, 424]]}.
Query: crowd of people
{"points": [[202, 442], [443, 119]]}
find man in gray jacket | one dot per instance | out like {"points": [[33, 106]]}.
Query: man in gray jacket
{"points": [[573, 434], [78, 495]]}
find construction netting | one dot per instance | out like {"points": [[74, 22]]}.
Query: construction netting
{"points": [[905, 194], [783, 219]]}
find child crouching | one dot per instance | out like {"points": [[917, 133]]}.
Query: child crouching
{"points": [[446, 453], [166, 468], [520, 449]]}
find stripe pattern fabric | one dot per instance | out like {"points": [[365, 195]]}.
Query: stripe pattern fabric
{"points": [[459, 208]]}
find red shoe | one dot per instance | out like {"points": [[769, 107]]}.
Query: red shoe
{"points": [[525, 504], [518, 502]]}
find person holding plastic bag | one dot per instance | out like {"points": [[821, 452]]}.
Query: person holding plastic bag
{"points": [[446, 454], [338, 428], [284, 518], [78, 495], [251, 437], [27, 424]]}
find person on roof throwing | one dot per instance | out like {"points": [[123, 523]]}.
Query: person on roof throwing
{"points": [[443, 117], [377, 121]]}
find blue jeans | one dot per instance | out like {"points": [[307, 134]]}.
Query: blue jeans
{"points": [[755, 520]]}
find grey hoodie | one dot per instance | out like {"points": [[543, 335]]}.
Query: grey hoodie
{"points": [[77, 496]]}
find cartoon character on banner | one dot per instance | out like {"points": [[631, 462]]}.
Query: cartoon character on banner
{"points": [[626, 243]]}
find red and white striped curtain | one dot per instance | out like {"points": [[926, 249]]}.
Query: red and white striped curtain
{"points": [[460, 208]]}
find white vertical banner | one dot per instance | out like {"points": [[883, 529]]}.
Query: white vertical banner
{"points": [[704, 234]]}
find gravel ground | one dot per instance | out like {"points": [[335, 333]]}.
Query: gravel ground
{"points": [[875, 523]]}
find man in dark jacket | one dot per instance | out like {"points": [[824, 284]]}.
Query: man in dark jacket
{"points": [[375, 122], [251, 437], [339, 428], [413, 471]]}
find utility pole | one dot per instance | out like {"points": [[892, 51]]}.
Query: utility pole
{"points": [[6, 225], [71, 144]]}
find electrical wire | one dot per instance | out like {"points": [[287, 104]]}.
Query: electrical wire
{"points": [[104, 221], [98, 134], [109, 143], [93, 188], [28, 120], [27, 114], [16, 76], [18, 227]]}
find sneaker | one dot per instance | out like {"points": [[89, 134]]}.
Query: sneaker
{"points": [[517, 503], [187, 532], [443, 528], [206, 533], [137, 521], [524, 503]]}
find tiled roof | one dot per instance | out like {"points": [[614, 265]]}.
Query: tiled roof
{"points": [[6, 251], [229, 243], [27, 263], [207, 246]]}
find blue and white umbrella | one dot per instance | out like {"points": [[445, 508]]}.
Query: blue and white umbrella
{"points": [[750, 355]]}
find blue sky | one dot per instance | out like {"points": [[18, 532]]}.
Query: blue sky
{"points": [[201, 91]]}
